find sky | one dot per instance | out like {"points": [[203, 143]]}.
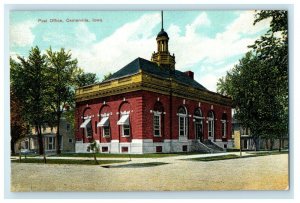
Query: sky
{"points": [[209, 43]]}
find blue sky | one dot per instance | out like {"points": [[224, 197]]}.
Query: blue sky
{"points": [[207, 42]]}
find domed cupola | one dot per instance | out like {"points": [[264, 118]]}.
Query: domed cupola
{"points": [[162, 33], [162, 57]]}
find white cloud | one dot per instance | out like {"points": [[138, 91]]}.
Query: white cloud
{"points": [[192, 48], [207, 56], [209, 75], [80, 36], [83, 35], [132, 40], [21, 33], [244, 24]]}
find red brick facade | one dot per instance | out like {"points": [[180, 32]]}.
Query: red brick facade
{"points": [[141, 105]]}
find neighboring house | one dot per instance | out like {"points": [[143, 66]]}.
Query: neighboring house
{"points": [[242, 138], [30, 143], [149, 106]]}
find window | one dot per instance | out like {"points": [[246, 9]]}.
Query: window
{"points": [[158, 120], [183, 122], [126, 130], [106, 131], [156, 124], [51, 143], [104, 124], [223, 128], [211, 124], [124, 149], [198, 124], [70, 140], [87, 126], [184, 148], [158, 148], [68, 127], [104, 149], [125, 126], [224, 121]]}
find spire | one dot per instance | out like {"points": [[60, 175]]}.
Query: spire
{"points": [[162, 57], [162, 20]]}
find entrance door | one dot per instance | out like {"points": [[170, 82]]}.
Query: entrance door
{"points": [[199, 129]]}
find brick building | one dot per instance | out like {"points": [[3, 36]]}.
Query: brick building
{"points": [[149, 106]]}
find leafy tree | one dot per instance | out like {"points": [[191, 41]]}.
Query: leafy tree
{"points": [[63, 73], [84, 79], [29, 86], [107, 76], [18, 127], [94, 147], [258, 85]]}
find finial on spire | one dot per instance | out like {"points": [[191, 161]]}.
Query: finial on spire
{"points": [[162, 20]]}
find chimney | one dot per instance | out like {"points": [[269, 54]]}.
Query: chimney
{"points": [[190, 74]]}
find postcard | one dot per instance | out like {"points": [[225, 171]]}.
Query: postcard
{"points": [[157, 100]]}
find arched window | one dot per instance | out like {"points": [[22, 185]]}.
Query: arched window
{"points": [[158, 119], [224, 124], [211, 124], [183, 122], [104, 123], [124, 120], [198, 122], [86, 124]]}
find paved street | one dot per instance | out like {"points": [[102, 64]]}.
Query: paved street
{"points": [[161, 174]]}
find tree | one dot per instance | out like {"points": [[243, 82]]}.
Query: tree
{"points": [[17, 124], [84, 79], [29, 86], [258, 85], [63, 73], [18, 127], [107, 76], [94, 147]]}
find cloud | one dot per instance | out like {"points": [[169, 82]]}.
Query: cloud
{"points": [[208, 56], [210, 75], [21, 33], [193, 47], [79, 34], [83, 35], [132, 40]]}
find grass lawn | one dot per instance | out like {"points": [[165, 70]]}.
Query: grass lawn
{"points": [[67, 161], [106, 155]]}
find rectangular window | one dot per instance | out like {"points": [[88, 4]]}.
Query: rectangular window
{"points": [[158, 149], [68, 127], [70, 140], [156, 125], [126, 130], [181, 126], [51, 143], [223, 128], [96, 127], [184, 148], [106, 131], [210, 128], [104, 149], [124, 149]]}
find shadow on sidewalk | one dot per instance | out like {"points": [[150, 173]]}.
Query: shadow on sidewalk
{"points": [[137, 165]]}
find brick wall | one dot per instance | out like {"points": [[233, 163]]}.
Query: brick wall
{"points": [[140, 104]]}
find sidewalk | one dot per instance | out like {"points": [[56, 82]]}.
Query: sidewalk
{"points": [[169, 159]]}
